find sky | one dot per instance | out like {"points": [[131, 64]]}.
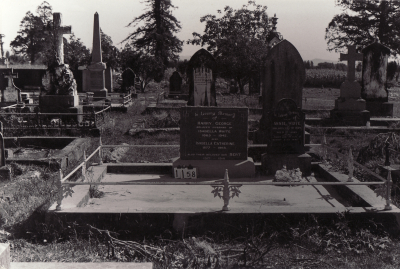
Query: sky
{"points": [[302, 22]]}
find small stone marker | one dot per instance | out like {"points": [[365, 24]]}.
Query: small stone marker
{"points": [[201, 72], [128, 79], [287, 128], [374, 89], [11, 94], [175, 83], [5, 256], [351, 57]]}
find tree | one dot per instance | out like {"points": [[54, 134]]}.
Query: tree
{"points": [[110, 53], [366, 22], [145, 66], [237, 40], [75, 53], [31, 40], [156, 37]]}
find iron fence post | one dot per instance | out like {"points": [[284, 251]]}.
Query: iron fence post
{"points": [[84, 166], [388, 205], [225, 193], [60, 191], [100, 153], [350, 166]]}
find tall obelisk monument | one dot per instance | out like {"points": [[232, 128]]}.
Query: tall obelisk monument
{"points": [[96, 68]]}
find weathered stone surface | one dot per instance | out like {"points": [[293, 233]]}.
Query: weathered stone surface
{"points": [[374, 72], [5, 256], [11, 94], [284, 76], [201, 72]]}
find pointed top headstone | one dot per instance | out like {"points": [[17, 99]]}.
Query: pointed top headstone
{"points": [[96, 49]]}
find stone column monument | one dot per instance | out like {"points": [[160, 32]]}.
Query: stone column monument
{"points": [[96, 76]]}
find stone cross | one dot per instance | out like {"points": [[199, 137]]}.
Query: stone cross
{"points": [[10, 77], [351, 57], [7, 62], [59, 31]]}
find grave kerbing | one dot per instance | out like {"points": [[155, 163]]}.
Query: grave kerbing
{"points": [[374, 80]]}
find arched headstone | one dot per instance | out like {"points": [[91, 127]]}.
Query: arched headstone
{"points": [[128, 79], [175, 83], [201, 72]]}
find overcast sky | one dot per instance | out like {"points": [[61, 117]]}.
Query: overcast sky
{"points": [[302, 22]]}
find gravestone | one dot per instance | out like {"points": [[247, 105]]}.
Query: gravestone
{"points": [[95, 79], [215, 139], [374, 87], [350, 108], [11, 94], [61, 87], [128, 80], [201, 72], [175, 83], [282, 122]]}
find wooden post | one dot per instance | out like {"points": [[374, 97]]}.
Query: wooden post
{"points": [[350, 165], [60, 191]]}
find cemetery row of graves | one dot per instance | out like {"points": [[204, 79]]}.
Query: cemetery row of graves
{"points": [[206, 139]]}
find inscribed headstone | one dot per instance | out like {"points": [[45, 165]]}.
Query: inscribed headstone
{"points": [[213, 133], [201, 72], [175, 83], [10, 94], [286, 128]]}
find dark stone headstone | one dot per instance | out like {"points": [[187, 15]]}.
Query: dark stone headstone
{"points": [[284, 75], [286, 128], [213, 133], [374, 89], [128, 79], [201, 72], [175, 83]]}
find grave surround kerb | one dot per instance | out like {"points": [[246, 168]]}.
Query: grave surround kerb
{"points": [[213, 140]]}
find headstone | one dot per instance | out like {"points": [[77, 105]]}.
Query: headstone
{"points": [[284, 76], [11, 94], [350, 108], [5, 256], [128, 80], [374, 87], [201, 72], [59, 31], [282, 122], [96, 78], [287, 128], [215, 139], [175, 83]]}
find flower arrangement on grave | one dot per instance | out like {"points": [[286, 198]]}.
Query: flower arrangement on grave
{"points": [[284, 175], [60, 80]]}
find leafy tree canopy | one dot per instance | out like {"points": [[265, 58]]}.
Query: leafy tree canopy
{"points": [[362, 22], [154, 34], [75, 52], [110, 53], [31, 40], [237, 39]]}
